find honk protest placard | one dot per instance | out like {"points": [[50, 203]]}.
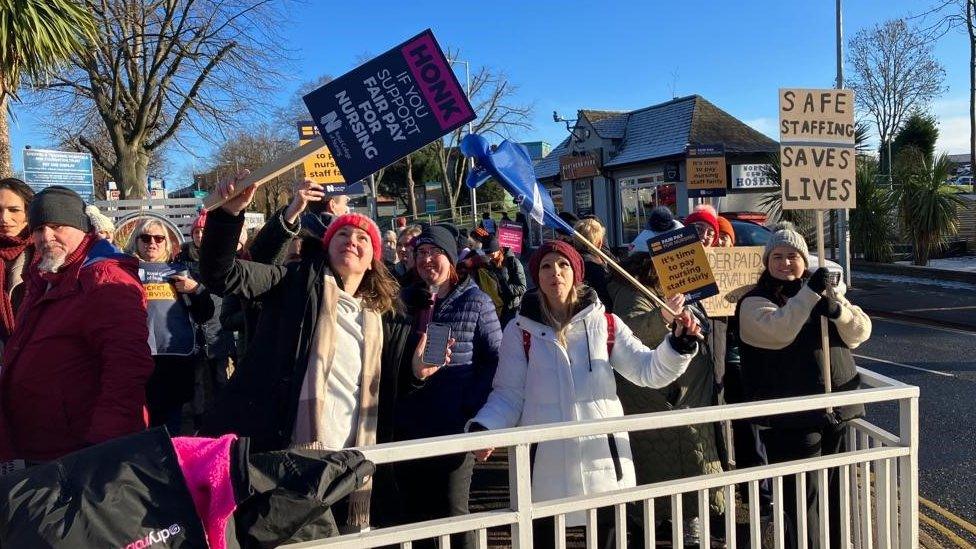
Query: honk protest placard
{"points": [[817, 148], [736, 270], [389, 107], [681, 265]]}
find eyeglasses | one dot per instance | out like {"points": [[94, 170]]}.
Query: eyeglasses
{"points": [[147, 238], [430, 252]]}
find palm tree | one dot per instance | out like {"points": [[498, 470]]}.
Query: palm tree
{"points": [[872, 224], [36, 36], [927, 206]]}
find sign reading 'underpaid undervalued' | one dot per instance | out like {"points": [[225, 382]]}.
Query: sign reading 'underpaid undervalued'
{"points": [[389, 107]]}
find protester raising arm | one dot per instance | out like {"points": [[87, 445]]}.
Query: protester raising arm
{"points": [[220, 269]]}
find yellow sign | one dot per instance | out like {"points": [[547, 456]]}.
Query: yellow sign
{"points": [[736, 271], [160, 291], [319, 166], [816, 130], [681, 266], [705, 170]]}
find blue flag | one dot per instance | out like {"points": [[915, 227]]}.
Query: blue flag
{"points": [[510, 165]]}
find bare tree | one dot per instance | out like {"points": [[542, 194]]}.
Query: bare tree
{"points": [[492, 96], [250, 150], [894, 72], [161, 68], [948, 15]]}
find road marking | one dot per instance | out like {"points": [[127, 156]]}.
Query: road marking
{"points": [[965, 524], [952, 536], [909, 366], [926, 324]]}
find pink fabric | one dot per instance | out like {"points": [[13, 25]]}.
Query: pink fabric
{"points": [[206, 467]]}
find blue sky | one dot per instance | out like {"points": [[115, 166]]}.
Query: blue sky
{"points": [[611, 55]]}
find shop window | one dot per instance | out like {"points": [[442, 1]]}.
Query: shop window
{"points": [[640, 195]]}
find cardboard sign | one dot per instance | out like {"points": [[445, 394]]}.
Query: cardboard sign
{"points": [[681, 265], [510, 236], [389, 107], [705, 170], [817, 148], [736, 271], [319, 166]]}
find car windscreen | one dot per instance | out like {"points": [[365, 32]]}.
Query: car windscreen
{"points": [[750, 234]]}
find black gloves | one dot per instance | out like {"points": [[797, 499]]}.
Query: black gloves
{"points": [[685, 344], [828, 307], [818, 280]]}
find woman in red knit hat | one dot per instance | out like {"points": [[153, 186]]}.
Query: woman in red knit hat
{"points": [[705, 220]]}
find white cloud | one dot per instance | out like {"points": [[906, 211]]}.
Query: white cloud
{"points": [[953, 116]]}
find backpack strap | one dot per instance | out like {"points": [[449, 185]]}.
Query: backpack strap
{"points": [[611, 332], [526, 343]]}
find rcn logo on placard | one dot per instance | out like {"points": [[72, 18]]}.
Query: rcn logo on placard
{"points": [[331, 122]]}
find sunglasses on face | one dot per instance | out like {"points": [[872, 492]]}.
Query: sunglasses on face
{"points": [[147, 238]]}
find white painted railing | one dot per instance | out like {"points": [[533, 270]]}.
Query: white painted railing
{"points": [[878, 479]]}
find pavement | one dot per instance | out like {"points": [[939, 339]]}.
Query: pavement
{"points": [[927, 298]]}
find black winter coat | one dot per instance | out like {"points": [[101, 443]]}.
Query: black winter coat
{"points": [[261, 400], [132, 489]]}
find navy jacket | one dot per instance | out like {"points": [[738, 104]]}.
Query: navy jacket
{"points": [[453, 395]]}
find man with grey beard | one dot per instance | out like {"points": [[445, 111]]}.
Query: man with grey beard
{"points": [[75, 368]]}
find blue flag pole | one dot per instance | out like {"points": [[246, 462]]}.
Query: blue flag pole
{"points": [[510, 165]]}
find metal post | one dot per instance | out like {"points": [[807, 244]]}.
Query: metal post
{"points": [[373, 203], [474, 193], [843, 228], [908, 472]]}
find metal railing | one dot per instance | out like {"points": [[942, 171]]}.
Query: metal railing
{"points": [[878, 479]]}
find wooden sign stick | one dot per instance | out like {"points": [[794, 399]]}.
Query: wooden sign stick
{"points": [[627, 276], [270, 170], [824, 333]]}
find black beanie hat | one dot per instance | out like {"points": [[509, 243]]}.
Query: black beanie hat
{"points": [[660, 219], [60, 206], [442, 237]]}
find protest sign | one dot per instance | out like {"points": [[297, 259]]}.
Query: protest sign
{"points": [[389, 107], [510, 236], [817, 148], [736, 271], [705, 170], [319, 166], [681, 265]]}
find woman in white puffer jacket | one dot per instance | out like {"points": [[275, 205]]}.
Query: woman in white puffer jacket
{"points": [[556, 364]]}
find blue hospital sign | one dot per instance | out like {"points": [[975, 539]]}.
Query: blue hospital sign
{"points": [[46, 168]]}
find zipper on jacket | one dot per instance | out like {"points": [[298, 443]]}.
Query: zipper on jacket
{"points": [[617, 467]]}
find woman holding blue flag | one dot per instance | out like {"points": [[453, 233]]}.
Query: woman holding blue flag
{"points": [[176, 304]]}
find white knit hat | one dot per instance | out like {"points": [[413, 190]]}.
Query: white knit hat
{"points": [[785, 234], [100, 222]]}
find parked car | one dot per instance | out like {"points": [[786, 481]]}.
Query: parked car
{"points": [[963, 180]]}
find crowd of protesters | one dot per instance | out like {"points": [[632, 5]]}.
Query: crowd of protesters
{"points": [[315, 336]]}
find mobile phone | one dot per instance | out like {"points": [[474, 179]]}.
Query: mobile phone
{"points": [[437, 337], [833, 278]]}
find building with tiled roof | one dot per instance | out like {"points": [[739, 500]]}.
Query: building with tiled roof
{"points": [[618, 165]]}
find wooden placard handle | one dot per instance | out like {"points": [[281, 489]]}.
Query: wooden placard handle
{"points": [[270, 170]]}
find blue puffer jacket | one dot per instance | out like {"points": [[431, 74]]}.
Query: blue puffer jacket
{"points": [[453, 395]]}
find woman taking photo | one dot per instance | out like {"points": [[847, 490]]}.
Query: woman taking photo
{"points": [[447, 397], [16, 250], [781, 352], [556, 363], [176, 303]]}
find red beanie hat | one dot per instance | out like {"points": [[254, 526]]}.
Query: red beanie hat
{"points": [[564, 249], [200, 221], [358, 221], [725, 227], [705, 213]]}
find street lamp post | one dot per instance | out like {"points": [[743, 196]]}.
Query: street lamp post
{"points": [[470, 161]]}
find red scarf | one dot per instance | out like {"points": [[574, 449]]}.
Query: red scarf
{"points": [[10, 248], [54, 278]]}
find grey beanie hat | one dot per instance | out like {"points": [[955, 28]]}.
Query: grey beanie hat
{"points": [[60, 206], [785, 234]]}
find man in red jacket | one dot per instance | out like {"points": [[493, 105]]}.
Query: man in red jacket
{"points": [[75, 368]]}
